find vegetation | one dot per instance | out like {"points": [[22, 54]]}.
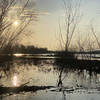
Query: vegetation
{"points": [[22, 88], [9, 31], [28, 49], [61, 64], [72, 18]]}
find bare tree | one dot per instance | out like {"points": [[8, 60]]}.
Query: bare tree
{"points": [[61, 38], [72, 17], [94, 34], [8, 10]]}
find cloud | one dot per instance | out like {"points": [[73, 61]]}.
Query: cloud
{"points": [[44, 13]]}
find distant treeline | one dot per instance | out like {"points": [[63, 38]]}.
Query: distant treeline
{"points": [[23, 49], [28, 49]]}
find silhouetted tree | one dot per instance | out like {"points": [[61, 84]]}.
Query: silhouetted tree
{"points": [[72, 17], [95, 36], [8, 32]]}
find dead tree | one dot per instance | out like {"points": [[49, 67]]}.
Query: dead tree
{"points": [[72, 17], [95, 36], [8, 33]]}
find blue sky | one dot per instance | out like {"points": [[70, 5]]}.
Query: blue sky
{"points": [[51, 11]]}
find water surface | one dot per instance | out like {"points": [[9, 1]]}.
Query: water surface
{"points": [[60, 81]]}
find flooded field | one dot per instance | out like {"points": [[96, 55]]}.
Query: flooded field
{"points": [[47, 79]]}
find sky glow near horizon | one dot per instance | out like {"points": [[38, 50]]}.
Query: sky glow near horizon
{"points": [[51, 12]]}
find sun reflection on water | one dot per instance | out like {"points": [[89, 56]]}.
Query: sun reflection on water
{"points": [[18, 55], [15, 80]]}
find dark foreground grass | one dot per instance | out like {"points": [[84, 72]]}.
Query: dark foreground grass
{"points": [[12, 90]]}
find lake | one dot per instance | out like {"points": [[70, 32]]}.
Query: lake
{"points": [[47, 79]]}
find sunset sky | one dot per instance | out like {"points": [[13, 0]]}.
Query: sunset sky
{"points": [[51, 12]]}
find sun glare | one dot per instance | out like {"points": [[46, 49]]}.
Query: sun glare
{"points": [[16, 23]]}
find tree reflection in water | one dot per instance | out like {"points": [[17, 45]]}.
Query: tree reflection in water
{"points": [[70, 76]]}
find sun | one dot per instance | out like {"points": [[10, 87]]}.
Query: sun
{"points": [[15, 23]]}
